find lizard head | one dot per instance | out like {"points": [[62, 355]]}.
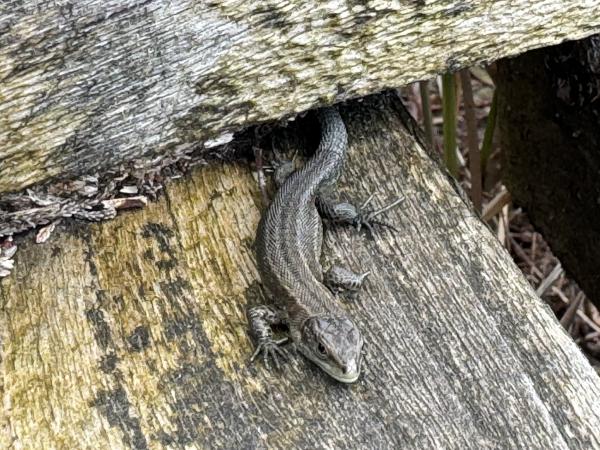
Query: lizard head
{"points": [[334, 343]]}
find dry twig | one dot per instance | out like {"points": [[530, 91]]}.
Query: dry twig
{"points": [[549, 280], [495, 205]]}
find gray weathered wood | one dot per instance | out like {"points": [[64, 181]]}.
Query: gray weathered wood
{"points": [[87, 85], [549, 120], [131, 333]]}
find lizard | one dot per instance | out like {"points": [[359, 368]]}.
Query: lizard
{"points": [[288, 247]]}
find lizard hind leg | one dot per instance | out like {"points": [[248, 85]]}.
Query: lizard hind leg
{"points": [[347, 214], [283, 169], [261, 319]]}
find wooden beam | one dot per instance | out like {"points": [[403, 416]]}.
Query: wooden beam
{"points": [[131, 333], [87, 86], [548, 121]]}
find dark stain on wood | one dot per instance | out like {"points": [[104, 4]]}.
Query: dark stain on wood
{"points": [[161, 233], [101, 329], [139, 339], [166, 264], [271, 17], [115, 406], [458, 9], [108, 362], [148, 254]]}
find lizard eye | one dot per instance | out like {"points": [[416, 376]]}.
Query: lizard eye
{"points": [[322, 350]]}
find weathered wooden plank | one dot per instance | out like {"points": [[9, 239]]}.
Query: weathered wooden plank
{"points": [[131, 333], [85, 86], [549, 117]]}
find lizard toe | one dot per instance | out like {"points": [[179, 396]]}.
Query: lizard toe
{"points": [[270, 351]]}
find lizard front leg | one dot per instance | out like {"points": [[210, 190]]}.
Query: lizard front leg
{"points": [[338, 279], [261, 319]]}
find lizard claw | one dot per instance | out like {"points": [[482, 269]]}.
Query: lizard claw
{"points": [[270, 350], [367, 219]]}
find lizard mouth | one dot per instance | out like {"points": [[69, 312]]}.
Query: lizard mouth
{"points": [[347, 378], [349, 375]]}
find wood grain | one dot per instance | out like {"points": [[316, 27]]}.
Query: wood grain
{"points": [[88, 85], [131, 333]]}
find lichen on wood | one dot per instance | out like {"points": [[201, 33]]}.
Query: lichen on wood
{"points": [[131, 333], [86, 86]]}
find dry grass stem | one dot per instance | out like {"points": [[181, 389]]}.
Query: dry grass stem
{"points": [[549, 280], [472, 140], [567, 319], [495, 205]]}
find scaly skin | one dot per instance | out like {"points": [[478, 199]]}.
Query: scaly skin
{"points": [[288, 245]]}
